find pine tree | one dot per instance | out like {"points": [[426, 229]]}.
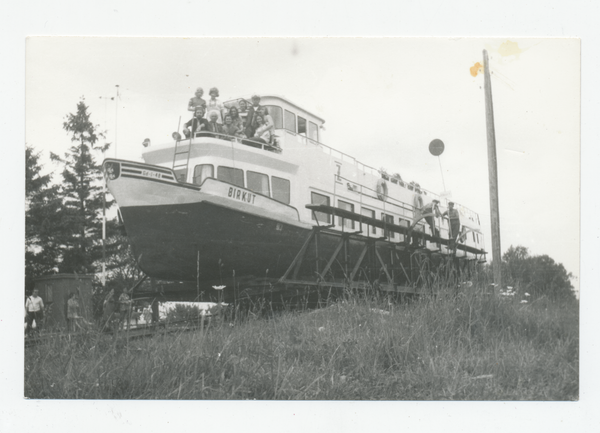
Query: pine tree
{"points": [[81, 214], [42, 207]]}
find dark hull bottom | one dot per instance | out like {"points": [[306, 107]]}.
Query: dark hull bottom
{"points": [[214, 245]]}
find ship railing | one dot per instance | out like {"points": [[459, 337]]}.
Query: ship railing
{"points": [[389, 204], [367, 168], [271, 147]]}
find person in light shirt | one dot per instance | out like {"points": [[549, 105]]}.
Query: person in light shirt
{"points": [[264, 113], [197, 100], [263, 131], [34, 310], [213, 104]]}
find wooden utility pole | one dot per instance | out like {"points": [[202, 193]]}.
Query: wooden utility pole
{"points": [[493, 173]]}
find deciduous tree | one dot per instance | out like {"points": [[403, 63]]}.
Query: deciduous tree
{"points": [[537, 275]]}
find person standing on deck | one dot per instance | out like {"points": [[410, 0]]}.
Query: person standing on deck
{"points": [[428, 212], [197, 100], [34, 308], [454, 218], [252, 114], [243, 112], [214, 104]]}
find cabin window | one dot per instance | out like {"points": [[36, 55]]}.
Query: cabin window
{"points": [[258, 182], [301, 126], [231, 175], [345, 222], [474, 237], [277, 114], [316, 198], [203, 171], [371, 214], [281, 189], [290, 121], [181, 174], [403, 223], [388, 219], [313, 131]]}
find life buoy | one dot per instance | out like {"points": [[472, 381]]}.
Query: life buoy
{"points": [[417, 201], [382, 189]]}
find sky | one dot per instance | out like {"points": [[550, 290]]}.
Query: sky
{"points": [[433, 96], [383, 100]]}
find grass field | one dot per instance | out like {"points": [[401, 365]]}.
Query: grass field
{"points": [[471, 346]]}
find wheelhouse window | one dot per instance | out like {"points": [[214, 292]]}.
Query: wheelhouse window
{"points": [[388, 219], [202, 172], [316, 198], [231, 175], [258, 182], [371, 214], [281, 189], [277, 114], [313, 131], [301, 126], [345, 222], [290, 121]]}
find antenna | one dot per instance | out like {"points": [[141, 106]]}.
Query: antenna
{"points": [[116, 116]]}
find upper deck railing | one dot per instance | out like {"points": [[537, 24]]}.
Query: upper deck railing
{"points": [[336, 154], [245, 141]]}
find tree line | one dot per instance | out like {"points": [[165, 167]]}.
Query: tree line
{"points": [[63, 213]]}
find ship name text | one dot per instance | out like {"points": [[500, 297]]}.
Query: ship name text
{"points": [[244, 196]]}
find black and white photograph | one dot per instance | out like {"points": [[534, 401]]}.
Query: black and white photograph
{"points": [[319, 230], [224, 221]]}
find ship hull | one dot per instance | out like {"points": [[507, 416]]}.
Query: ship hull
{"points": [[208, 241]]}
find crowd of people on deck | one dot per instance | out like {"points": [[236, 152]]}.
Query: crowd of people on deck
{"points": [[246, 121]]}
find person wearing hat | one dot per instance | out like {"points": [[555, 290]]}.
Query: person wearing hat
{"points": [[428, 212], [197, 100], [252, 114], [454, 218]]}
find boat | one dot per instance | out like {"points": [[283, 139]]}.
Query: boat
{"points": [[212, 209]]}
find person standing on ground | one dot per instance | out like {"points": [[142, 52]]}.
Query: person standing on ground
{"points": [[124, 308], [34, 307], [72, 312]]}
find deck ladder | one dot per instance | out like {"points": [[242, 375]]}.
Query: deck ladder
{"points": [[179, 167]]}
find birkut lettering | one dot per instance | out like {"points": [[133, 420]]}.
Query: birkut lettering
{"points": [[244, 196]]}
